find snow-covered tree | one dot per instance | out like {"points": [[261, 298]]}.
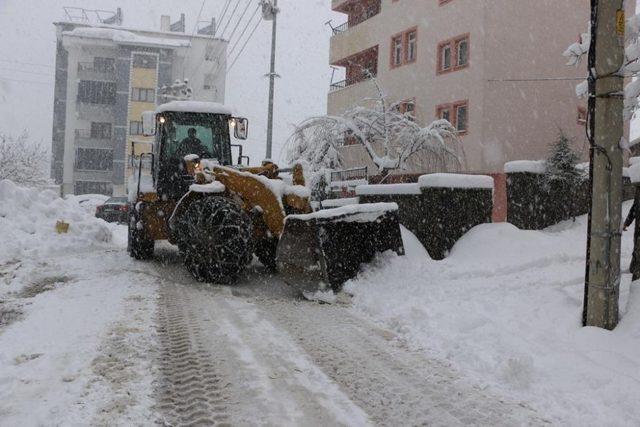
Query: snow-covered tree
{"points": [[392, 139], [631, 67], [561, 164], [22, 161]]}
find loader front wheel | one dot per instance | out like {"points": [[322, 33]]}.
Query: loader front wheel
{"points": [[216, 237], [138, 245]]}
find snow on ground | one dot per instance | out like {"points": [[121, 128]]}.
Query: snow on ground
{"points": [[505, 309], [75, 320]]}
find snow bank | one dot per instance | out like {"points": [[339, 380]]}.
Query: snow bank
{"points": [[526, 166], [124, 37], [353, 213], [28, 218], [452, 180], [505, 309], [387, 189]]}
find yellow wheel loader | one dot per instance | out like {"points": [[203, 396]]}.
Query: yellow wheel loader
{"points": [[219, 214]]}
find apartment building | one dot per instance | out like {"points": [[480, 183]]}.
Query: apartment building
{"points": [[493, 68], [106, 76]]}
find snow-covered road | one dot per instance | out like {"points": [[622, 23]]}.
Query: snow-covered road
{"points": [[101, 339]]}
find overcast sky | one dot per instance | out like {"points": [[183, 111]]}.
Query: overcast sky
{"points": [[27, 57]]}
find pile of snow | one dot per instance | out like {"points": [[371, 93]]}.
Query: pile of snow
{"points": [[526, 166], [454, 180], [366, 212], [505, 309], [28, 219], [386, 189], [88, 202], [337, 203]]}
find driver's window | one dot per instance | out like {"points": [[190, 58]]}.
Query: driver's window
{"points": [[187, 138]]}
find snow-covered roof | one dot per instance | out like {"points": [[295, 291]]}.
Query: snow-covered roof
{"points": [[124, 37], [454, 180], [194, 107]]}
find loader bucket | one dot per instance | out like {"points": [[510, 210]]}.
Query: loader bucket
{"points": [[322, 250]]}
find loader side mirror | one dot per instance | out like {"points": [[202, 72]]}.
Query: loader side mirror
{"points": [[148, 123], [240, 127]]}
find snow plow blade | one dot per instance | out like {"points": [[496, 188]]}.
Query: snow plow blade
{"points": [[322, 250]]}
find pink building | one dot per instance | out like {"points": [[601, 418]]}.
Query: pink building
{"points": [[493, 68]]}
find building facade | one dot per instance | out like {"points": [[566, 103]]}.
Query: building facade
{"points": [[493, 68], [106, 76]]}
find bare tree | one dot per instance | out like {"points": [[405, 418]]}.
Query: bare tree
{"points": [[392, 139], [22, 161]]}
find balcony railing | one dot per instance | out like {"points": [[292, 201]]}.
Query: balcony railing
{"points": [[90, 70], [368, 13], [350, 175], [340, 28], [350, 82]]}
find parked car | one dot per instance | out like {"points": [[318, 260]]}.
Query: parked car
{"points": [[115, 209]]}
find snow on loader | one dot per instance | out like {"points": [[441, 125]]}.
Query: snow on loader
{"points": [[220, 215]]}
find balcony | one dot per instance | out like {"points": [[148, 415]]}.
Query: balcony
{"points": [[92, 71], [349, 82], [360, 67], [358, 12], [84, 138], [96, 112]]}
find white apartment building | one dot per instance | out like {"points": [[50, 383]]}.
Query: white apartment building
{"points": [[106, 76], [493, 68]]}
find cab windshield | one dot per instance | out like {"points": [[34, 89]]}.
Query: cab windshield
{"points": [[204, 135]]}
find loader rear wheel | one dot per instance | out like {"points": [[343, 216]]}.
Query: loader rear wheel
{"points": [[216, 239], [266, 253], [139, 245]]}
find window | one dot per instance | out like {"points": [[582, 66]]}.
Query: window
{"points": [[101, 130], [95, 92], [143, 95], [397, 51], [407, 108], [456, 113], [444, 113], [104, 65], [145, 61], [462, 52], [412, 44], [135, 128], [453, 54], [445, 57], [208, 81], [461, 117], [94, 159], [90, 187], [404, 48]]}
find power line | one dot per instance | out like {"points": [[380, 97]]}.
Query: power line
{"points": [[13, 70], [213, 36], [543, 79], [245, 45], [27, 63], [233, 32], [24, 81]]}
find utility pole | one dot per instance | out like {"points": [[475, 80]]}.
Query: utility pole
{"points": [[270, 12], [606, 124]]}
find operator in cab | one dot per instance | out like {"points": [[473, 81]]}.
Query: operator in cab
{"points": [[193, 145]]}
